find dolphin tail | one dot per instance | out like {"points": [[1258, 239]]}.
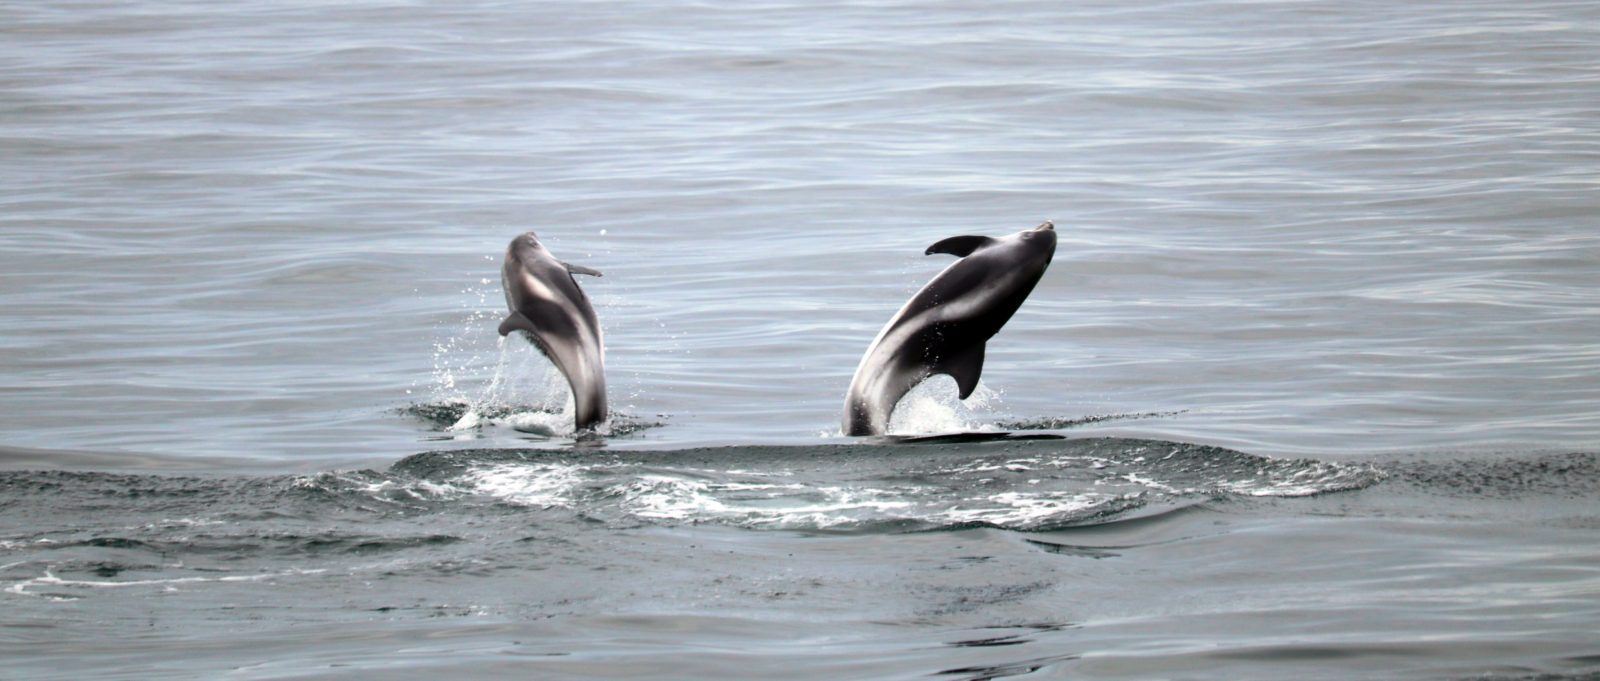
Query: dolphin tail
{"points": [[857, 421], [591, 408]]}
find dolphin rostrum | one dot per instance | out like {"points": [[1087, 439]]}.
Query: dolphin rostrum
{"points": [[549, 308], [943, 328]]}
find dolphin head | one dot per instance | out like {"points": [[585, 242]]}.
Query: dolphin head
{"points": [[524, 247], [1039, 243], [527, 240]]}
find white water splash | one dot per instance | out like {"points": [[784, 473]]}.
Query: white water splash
{"points": [[542, 485], [522, 390], [463, 353], [666, 497], [525, 393], [932, 408], [1021, 509], [1314, 479]]}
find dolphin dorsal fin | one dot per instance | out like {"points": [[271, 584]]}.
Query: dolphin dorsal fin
{"points": [[965, 366], [580, 269], [959, 246]]}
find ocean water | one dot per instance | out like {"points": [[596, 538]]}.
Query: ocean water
{"points": [[1309, 389]]}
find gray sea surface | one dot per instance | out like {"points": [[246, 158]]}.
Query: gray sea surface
{"points": [[1319, 332]]}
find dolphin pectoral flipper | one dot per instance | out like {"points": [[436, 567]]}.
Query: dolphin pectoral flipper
{"points": [[516, 322], [965, 367], [580, 269], [959, 246]]}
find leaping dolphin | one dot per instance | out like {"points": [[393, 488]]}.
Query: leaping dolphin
{"points": [[943, 328], [550, 309]]}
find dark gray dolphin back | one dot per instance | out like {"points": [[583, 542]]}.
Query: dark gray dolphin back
{"points": [[943, 329], [551, 310]]}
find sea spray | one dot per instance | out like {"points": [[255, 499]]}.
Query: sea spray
{"points": [[525, 393], [932, 407]]}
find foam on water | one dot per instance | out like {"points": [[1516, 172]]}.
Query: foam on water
{"points": [[1026, 485], [1024, 509], [543, 485], [755, 505]]}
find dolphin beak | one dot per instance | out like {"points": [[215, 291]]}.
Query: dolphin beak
{"points": [[1048, 226]]}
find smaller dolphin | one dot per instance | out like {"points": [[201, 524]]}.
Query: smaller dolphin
{"points": [[549, 308], [943, 328]]}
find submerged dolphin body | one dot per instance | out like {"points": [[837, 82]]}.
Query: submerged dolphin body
{"points": [[943, 328], [547, 305]]}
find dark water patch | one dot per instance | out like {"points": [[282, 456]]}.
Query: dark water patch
{"points": [[1028, 635], [1064, 423], [1005, 670], [533, 419], [114, 543], [115, 486], [445, 464], [247, 544], [623, 425], [994, 642], [1578, 676], [1095, 552], [945, 601], [102, 569], [956, 438], [1573, 475], [440, 414], [369, 545]]}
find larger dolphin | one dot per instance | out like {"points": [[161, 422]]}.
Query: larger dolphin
{"points": [[943, 328], [547, 305]]}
